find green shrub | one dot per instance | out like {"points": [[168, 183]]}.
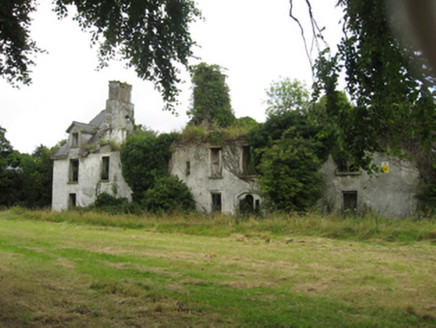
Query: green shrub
{"points": [[289, 175], [144, 156], [169, 193], [105, 200]]}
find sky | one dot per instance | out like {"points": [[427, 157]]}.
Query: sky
{"points": [[256, 43]]}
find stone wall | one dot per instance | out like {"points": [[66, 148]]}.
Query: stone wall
{"points": [[213, 172], [89, 183], [390, 194]]}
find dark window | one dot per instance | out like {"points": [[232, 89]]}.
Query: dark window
{"points": [[346, 166], [72, 200], [246, 205], [349, 201], [105, 168], [246, 157], [75, 139], [74, 170], [216, 202], [215, 162], [188, 168]]}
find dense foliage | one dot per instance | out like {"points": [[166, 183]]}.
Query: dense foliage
{"points": [[152, 36], [289, 173], [145, 157], [25, 180], [211, 97], [168, 193], [287, 151], [388, 81]]}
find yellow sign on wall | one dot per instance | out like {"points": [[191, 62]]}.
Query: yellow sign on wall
{"points": [[385, 167]]}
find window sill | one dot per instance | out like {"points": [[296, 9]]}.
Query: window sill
{"points": [[104, 180], [72, 182], [343, 174], [77, 146], [247, 176]]}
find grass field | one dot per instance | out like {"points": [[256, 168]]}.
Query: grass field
{"points": [[78, 269]]}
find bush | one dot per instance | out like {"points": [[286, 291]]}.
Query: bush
{"points": [[105, 200], [289, 176], [169, 193], [143, 156]]}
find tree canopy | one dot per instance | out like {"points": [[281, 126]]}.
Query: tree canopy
{"points": [[389, 83], [152, 36], [287, 151]]}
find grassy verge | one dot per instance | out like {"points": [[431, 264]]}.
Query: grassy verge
{"points": [[371, 227], [70, 270]]}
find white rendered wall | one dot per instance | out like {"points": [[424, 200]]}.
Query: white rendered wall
{"points": [[202, 185]]}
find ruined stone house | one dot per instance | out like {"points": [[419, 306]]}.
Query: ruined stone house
{"points": [[389, 193], [89, 162], [218, 175]]}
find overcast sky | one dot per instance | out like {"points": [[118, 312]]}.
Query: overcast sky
{"points": [[255, 40]]}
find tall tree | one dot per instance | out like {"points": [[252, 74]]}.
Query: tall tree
{"points": [[151, 35], [287, 152], [388, 80]]}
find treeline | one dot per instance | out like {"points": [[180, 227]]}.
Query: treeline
{"points": [[25, 180]]}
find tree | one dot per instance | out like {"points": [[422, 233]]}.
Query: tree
{"points": [[289, 175], [288, 152], [143, 157], [390, 83], [211, 97], [152, 36], [288, 104], [285, 95]]}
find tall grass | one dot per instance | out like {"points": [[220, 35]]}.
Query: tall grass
{"points": [[369, 227]]}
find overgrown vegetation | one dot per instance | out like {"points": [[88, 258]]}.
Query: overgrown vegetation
{"points": [[25, 180], [211, 105], [145, 157], [288, 150]]}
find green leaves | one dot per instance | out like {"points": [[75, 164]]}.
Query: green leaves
{"points": [[152, 36], [211, 97], [289, 174], [142, 156], [286, 95], [16, 47], [388, 81]]}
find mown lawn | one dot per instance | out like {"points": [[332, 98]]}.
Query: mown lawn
{"points": [[76, 273]]}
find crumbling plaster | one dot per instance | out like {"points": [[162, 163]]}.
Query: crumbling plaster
{"points": [[389, 194], [231, 185]]}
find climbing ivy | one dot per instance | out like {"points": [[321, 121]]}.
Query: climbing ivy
{"points": [[211, 105]]}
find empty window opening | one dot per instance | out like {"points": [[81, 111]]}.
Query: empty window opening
{"points": [[346, 166], [215, 162], [188, 168], [72, 201], [246, 205], [74, 170], [75, 139], [105, 168], [216, 202], [246, 158], [349, 201]]}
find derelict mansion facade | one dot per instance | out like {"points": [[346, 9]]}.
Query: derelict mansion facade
{"points": [[89, 164]]}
